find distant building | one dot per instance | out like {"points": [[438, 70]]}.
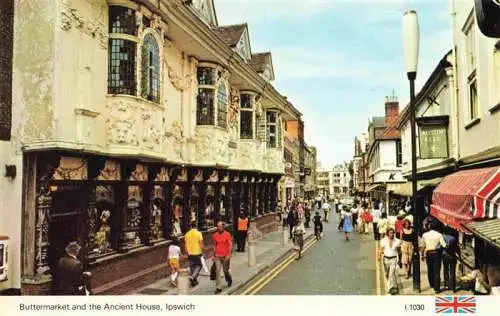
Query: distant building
{"points": [[339, 181]]}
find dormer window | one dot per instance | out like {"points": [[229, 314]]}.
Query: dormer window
{"points": [[246, 116]]}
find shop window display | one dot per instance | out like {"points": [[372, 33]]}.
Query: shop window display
{"points": [[131, 235], [157, 213]]}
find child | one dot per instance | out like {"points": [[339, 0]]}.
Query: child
{"points": [[174, 253]]}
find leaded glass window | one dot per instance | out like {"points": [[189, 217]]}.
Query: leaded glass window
{"points": [[150, 76], [222, 105], [271, 121], [205, 76], [122, 20], [246, 116], [121, 67], [205, 111]]}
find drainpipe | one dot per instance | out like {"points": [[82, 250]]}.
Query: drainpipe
{"points": [[455, 92]]}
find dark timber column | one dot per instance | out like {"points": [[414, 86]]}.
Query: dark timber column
{"points": [[47, 165]]}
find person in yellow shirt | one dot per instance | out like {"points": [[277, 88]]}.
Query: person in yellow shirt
{"points": [[193, 244]]}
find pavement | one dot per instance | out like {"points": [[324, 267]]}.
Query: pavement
{"points": [[269, 251], [406, 284]]}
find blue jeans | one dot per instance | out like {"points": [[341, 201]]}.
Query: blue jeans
{"points": [[195, 266]]}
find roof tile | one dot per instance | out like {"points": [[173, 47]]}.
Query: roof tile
{"points": [[231, 34]]}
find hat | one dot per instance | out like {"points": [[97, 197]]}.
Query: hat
{"points": [[73, 248]]}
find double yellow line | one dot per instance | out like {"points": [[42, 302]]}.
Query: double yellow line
{"points": [[269, 276]]}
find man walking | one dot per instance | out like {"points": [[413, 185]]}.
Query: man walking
{"points": [[70, 279], [223, 245], [450, 254], [193, 244], [433, 242], [242, 232]]}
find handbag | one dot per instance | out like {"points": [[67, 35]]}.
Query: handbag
{"points": [[204, 264], [213, 272]]}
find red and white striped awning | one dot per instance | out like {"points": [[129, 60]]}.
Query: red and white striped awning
{"points": [[466, 196]]}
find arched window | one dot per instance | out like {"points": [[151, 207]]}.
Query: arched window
{"points": [[222, 105], [150, 73]]}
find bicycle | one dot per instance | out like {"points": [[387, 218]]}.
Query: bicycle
{"points": [[299, 240]]}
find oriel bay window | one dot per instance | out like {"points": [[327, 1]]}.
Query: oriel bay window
{"points": [[246, 116], [122, 51], [222, 104]]}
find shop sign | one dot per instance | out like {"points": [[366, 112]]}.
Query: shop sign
{"points": [[433, 137]]}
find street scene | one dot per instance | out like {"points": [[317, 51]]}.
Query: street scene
{"points": [[250, 147]]}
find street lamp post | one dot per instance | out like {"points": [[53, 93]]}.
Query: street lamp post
{"points": [[411, 48]]}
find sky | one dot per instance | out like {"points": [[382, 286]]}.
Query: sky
{"points": [[336, 60]]}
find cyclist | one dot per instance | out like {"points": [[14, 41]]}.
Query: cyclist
{"points": [[298, 232], [318, 225]]}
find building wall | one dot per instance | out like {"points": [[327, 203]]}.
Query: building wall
{"points": [[444, 106], [387, 168], [60, 100], [483, 135]]}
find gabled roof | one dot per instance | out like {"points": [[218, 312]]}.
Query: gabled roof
{"points": [[391, 132], [231, 34], [205, 9], [260, 62], [441, 66]]}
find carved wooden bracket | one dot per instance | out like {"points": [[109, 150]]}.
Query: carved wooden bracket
{"points": [[127, 167]]}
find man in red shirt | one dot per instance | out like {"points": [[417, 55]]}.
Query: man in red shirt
{"points": [[223, 245]]}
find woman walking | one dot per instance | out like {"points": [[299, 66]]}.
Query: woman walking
{"points": [[406, 237], [347, 225], [389, 252]]}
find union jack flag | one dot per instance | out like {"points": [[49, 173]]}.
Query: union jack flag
{"points": [[456, 304]]}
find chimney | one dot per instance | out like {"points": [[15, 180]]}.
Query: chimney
{"points": [[391, 110]]}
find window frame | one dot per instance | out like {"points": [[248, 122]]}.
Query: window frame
{"points": [[246, 110], [208, 87], [221, 114], [399, 153], [473, 100], [146, 82], [274, 124]]}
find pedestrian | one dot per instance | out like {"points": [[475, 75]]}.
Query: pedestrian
{"points": [[193, 244], [174, 253], [242, 232], [318, 225], [383, 225], [389, 247], [298, 233], [367, 219], [376, 213], [292, 221], [347, 223], [433, 244], [355, 214], [398, 226], [326, 210], [450, 254], [407, 236], [340, 227], [285, 214], [223, 245], [307, 215], [70, 279]]}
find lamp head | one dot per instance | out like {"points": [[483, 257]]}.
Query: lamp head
{"points": [[411, 41]]}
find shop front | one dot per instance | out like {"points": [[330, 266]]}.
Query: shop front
{"points": [[467, 201], [125, 212]]}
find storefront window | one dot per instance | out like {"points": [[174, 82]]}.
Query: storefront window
{"points": [[210, 215], [177, 211], [156, 225], [133, 215], [194, 204], [100, 219]]}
